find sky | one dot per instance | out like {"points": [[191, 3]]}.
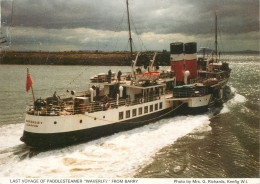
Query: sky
{"points": [[63, 25]]}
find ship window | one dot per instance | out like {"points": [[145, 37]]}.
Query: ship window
{"points": [[151, 108], [127, 115], [134, 112], [156, 107], [121, 115], [146, 109], [160, 105], [140, 111]]}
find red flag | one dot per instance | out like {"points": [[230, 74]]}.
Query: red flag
{"points": [[29, 82]]}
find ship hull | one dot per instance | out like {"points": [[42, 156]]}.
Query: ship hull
{"points": [[53, 140], [59, 131]]}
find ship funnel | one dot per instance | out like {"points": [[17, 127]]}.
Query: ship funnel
{"points": [[190, 58], [177, 60]]}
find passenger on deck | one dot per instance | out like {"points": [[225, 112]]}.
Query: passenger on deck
{"points": [[109, 76], [119, 75], [55, 98]]}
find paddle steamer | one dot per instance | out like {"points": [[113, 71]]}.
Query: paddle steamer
{"points": [[130, 100]]}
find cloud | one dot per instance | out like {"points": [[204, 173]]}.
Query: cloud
{"points": [[66, 39], [92, 24], [63, 14], [166, 16], [29, 38]]}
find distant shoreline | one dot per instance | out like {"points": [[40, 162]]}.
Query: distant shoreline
{"points": [[94, 58], [64, 58]]}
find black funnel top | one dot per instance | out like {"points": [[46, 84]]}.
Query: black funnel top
{"points": [[190, 48], [176, 48]]}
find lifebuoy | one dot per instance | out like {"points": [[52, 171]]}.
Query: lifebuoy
{"points": [[107, 106], [141, 100]]}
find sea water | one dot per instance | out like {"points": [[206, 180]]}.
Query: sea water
{"points": [[225, 144]]}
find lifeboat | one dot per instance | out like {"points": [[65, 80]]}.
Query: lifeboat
{"points": [[148, 76]]}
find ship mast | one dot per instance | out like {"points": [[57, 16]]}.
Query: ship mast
{"points": [[129, 29], [216, 34]]}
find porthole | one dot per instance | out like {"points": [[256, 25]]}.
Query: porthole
{"points": [[55, 122], [104, 116]]}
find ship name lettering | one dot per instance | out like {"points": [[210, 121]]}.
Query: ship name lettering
{"points": [[31, 125], [34, 122]]}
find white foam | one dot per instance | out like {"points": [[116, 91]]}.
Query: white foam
{"points": [[237, 99], [10, 135], [233, 90], [120, 155], [225, 109]]}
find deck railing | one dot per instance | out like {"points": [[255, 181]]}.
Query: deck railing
{"points": [[71, 107]]}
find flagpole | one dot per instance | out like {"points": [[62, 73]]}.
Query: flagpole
{"points": [[31, 87], [33, 95]]}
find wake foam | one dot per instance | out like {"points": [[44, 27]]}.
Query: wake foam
{"points": [[225, 109], [119, 155], [237, 99], [10, 135]]}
